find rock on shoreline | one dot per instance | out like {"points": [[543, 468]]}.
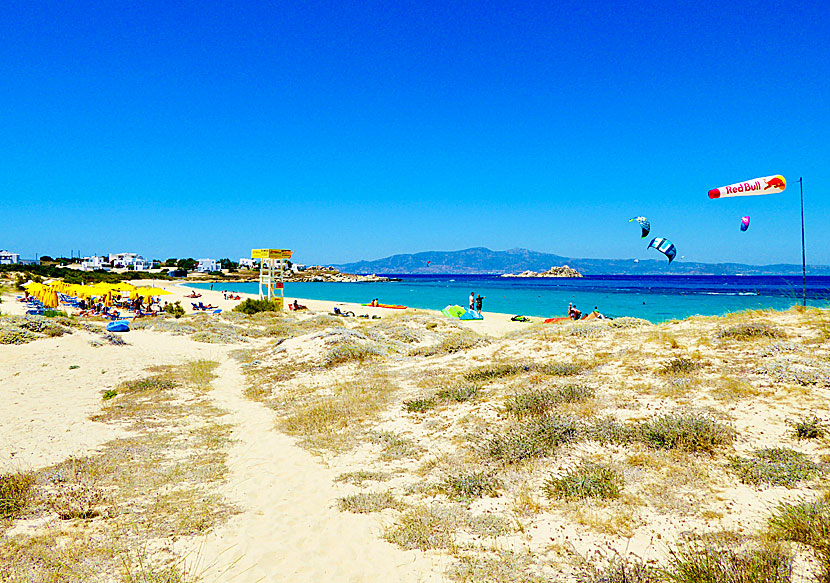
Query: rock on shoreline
{"points": [[563, 271]]}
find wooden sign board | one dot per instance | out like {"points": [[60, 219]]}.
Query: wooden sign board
{"points": [[271, 253]]}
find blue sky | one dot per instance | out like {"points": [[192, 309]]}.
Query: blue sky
{"points": [[356, 130]]}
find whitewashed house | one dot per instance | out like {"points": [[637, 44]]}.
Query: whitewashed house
{"points": [[94, 262], [207, 265], [9, 258], [247, 263], [134, 260]]}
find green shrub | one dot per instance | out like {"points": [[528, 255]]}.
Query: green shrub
{"points": [[776, 466], [469, 486], [589, 480], [687, 431], [541, 401], [175, 309], [459, 393], [808, 428], [251, 306], [14, 493], [539, 437], [109, 394], [419, 405]]}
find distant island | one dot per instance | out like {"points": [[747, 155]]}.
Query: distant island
{"points": [[563, 271], [480, 260]]}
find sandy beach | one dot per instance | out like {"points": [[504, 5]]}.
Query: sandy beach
{"points": [[308, 447]]}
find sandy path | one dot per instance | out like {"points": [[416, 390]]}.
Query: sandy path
{"points": [[289, 529]]}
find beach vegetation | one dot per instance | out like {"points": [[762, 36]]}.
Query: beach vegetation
{"points": [[435, 526], [685, 430], [807, 523], [458, 341], [15, 489], [777, 466], [497, 566], [700, 562], [393, 446], [367, 502], [625, 570], [468, 486], [536, 438], [460, 393], [250, 306], [354, 351], [680, 366], [420, 405], [358, 477], [589, 480], [542, 400], [175, 309], [808, 427], [751, 331]]}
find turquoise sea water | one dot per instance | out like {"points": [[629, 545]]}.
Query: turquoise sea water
{"points": [[655, 298]]}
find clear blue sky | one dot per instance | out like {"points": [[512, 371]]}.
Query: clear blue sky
{"points": [[356, 130]]}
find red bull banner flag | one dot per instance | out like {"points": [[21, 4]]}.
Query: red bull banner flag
{"points": [[765, 185]]}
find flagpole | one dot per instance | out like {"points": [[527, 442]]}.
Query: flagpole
{"points": [[803, 253]]}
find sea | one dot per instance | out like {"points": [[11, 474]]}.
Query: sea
{"points": [[655, 298]]}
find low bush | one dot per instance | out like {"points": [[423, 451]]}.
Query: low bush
{"points": [[680, 366], [589, 480], [344, 352], [251, 306], [688, 431], [175, 310], [539, 437], [459, 393], [469, 486], [367, 502], [808, 428], [541, 401], [455, 342], [775, 466], [419, 405], [14, 493]]}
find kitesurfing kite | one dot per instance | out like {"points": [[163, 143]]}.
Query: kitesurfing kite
{"points": [[744, 223], [664, 246], [644, 225], [765, 185]]}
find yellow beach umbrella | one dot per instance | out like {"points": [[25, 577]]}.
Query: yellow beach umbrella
{"points": [[50, 298], [153, 291]]}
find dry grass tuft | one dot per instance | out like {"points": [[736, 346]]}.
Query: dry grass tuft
{"points": [[541, 401], [465, 487], [367, 502], [15, 489], [751, 331]]}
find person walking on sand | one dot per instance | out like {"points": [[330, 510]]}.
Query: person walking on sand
{"points": [[472, 300], [479, 301]]}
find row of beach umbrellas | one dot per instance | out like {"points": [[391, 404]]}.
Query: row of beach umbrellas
{"points": [[48, 293]]}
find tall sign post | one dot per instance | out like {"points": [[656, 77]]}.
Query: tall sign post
{"points": [[270, 273]]}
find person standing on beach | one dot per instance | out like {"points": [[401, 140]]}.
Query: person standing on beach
{"points": [[479, 301], [472, 300]]}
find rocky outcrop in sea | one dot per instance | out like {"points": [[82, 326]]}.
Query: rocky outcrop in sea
{"points": [[563, 271]]}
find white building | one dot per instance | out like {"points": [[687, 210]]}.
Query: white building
{"points": [[246, 263], [133, 260], [206, 265], [9, 258], [94, 262]]}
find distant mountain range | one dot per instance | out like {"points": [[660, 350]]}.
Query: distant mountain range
{"points": [[480, 260]]}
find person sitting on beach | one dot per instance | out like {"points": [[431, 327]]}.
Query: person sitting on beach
{"points": [[573, 313], [297, 306], [374, 302]]}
